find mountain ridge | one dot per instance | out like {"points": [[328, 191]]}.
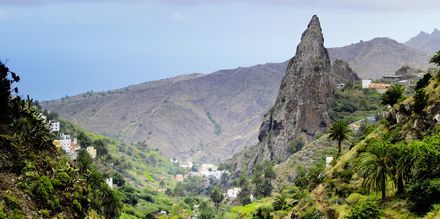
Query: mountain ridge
{"points": [[197, 107]]}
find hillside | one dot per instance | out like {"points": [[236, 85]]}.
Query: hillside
{"points": [[212, 116], [201, 116], [36, 179], [380, 56], [429, 43]]}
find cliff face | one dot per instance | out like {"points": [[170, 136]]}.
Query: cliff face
{"points": [[343, 73], [301, 108]]}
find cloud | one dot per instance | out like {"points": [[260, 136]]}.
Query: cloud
{"points": [[177, 16], [343, 4], [43, 2]]}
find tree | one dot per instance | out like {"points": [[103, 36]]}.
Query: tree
{"points": [[216, 196], [420, 101], [110, 201], [262, 179], [423, 82], [301, 179], [84, 161], [393, 95], [339, 132], [280, 202], [374, 167], [118, 179], [5, 91], [436, 58]]}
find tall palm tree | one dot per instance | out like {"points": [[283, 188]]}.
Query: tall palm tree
{"points": [[404, 158], [374, 167], [393, 95], [339, 132]]}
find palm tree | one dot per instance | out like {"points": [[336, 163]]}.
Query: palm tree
{"points": [[216, 197], [374, 167], [393, 95], [280, 202], [339, 132]]}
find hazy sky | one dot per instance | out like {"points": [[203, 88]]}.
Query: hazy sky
{"points": [[64, 47]]}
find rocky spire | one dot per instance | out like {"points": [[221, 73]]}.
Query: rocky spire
{"points": [[301, 108]]}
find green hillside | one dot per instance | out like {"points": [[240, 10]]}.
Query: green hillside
{"points": [[387, 170]]}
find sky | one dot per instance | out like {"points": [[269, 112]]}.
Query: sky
{"points": [[66, 47]]}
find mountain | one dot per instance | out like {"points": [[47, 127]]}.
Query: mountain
{"points": [[429, 43], [380, 56], [303, 102], [204, 117], [213, 116]]}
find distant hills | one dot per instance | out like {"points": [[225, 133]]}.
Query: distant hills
{"points": [[213, 116], [429, 43], [380, 56]]}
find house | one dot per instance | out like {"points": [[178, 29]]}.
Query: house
{"points": [[186, 165], [379, 87], [179, 178], [392, 78], [65, 143], [365, 83], [92, 151], [405, 83], [232, 193], [54, 126]]}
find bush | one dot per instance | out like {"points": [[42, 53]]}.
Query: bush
{"points": [[61, 179], [420, 101], [263, 212], [312, 213], [296, 144], [365, 210], [43, 191]]}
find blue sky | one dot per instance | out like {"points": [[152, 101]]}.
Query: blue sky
{"points": [[65, 47]]}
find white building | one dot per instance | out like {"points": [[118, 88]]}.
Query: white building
{"points": [[65, 143], [186, 165], [54, 126], [366, 83], [233, 192]]}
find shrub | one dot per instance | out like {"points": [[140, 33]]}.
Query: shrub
{"points": [[312, 213], [43, 191], [61, 179], [10, 200], [420, 101], [423, 82], [263, 212], [365, 210], [296, 144]]}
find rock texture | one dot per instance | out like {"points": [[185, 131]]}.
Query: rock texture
{"points": [[301, 108], [430, 43], [343, 73]]}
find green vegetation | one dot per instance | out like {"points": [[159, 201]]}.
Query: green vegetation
{"points": [[393, 95], [354, 103], [392, 169], [40, 181], [339, 132]]}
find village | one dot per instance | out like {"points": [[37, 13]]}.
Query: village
{"points": [[70, 145]]}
